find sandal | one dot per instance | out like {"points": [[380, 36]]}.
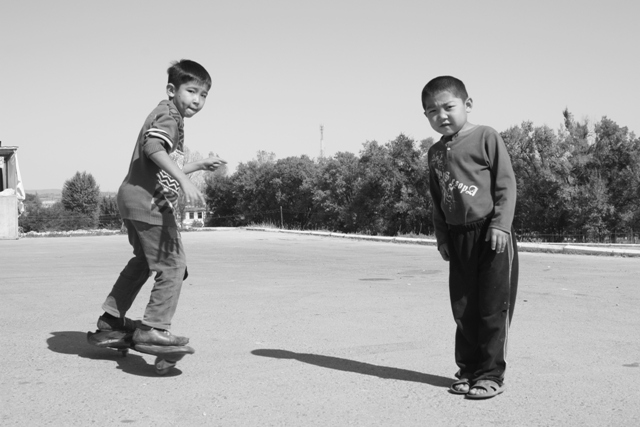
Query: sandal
{"points": [[490, 387], [460, 382]]}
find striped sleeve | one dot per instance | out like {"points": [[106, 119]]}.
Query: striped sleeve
{"points": [[162, 132]]}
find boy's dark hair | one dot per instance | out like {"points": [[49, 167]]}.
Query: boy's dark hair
{"points": [[185, 71], [444, 84]]}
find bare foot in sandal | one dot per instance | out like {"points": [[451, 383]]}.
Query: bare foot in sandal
{"points": [[485, 389], [460, 386]]}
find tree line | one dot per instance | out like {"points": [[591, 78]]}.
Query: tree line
{"points": [[580, 183], [81, 206]]}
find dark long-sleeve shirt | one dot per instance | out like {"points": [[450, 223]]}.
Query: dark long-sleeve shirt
{"points": [[471, 178]]}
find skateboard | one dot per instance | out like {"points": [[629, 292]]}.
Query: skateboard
{"points": [[166, 356]]}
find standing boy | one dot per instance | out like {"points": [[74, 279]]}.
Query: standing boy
{"points": [[147, 201], [474, 195]]}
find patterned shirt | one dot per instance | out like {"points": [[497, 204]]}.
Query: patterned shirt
{"points": [[148, 194]]}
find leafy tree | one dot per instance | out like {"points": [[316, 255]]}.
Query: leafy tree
{"points": [[31, 219], [293, 188], [54, 218], [254, 191], [614, 157], [577, 181], [221, 200], [541, 167], [109, 217], [375, 177], [81, 196], [335, 188], [410, 201], [265, 188], [590, 209], [393, 193]]}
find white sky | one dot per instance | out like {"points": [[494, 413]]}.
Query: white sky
{"points": [[79, 77]]}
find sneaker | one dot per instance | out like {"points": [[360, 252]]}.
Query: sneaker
{"points": [[107, 324], [158, 337]]}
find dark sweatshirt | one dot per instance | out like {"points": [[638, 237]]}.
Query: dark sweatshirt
{"points": [[470, 178]]}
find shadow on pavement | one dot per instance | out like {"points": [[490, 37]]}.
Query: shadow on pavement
{"points": [[75, 343], [357, 367]]}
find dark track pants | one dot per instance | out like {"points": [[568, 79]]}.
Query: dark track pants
{"points": [[482, 287]]}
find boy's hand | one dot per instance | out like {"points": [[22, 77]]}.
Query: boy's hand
{"points": [[191, 193], [498, 239], [212, 163], [444, 251]]}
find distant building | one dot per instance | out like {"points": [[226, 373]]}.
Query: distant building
{"points": [[47, 203], [193, 214], [11, 193]]}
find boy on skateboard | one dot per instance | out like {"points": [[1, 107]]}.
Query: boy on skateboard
{"points": [[474, 196], [147, 201]]}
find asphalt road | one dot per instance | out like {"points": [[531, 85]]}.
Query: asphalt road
{"points": [[299, 330]]}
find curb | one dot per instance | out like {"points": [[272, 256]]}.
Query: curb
{"points": [[555, 248], [604, 250]]}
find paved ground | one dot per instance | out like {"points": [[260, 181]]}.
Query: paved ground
{"points": [[299, 330]]}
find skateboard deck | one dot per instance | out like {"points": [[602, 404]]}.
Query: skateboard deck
{"points": [[166, 356]]}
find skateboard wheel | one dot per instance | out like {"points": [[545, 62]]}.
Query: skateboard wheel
{"points": [[163, 366]]}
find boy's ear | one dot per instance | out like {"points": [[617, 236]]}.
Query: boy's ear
{"points": [[171, 90], [468, 105]]}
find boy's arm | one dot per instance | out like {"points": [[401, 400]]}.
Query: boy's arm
{"points": [[211, 163], [440, 224], [439, 221], [505, 190], [164, 162], [504, 195]]}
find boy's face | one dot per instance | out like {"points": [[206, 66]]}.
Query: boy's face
{"points": [[447, 113], [189, 98]]}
